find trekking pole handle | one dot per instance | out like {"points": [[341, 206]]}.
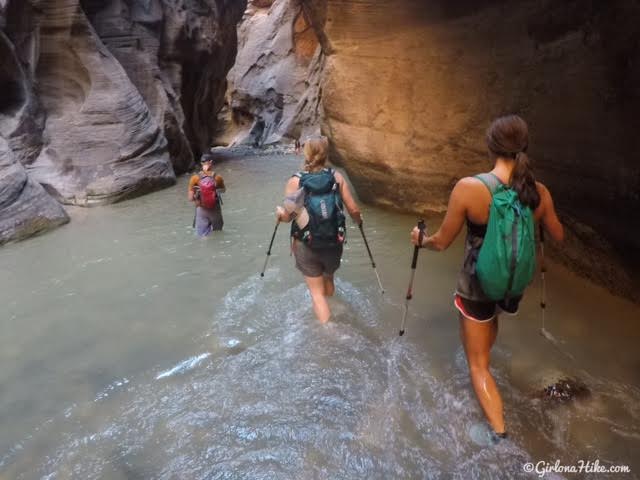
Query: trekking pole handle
{"points": [[421, 227], [414, 260]]}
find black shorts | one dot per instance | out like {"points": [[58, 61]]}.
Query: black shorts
{"points": [[485, 311]]}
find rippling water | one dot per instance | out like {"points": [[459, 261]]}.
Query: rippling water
{"points": [[132, 350]]}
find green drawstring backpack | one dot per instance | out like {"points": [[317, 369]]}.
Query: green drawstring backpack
{"points": [[507, 259]]}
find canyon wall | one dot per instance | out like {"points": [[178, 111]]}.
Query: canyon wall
{"points": [[407, 89], [274, 86], [108, 99]]}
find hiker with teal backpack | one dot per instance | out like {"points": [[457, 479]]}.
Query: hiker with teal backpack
{"points": [[315, 199], [499, 209]]}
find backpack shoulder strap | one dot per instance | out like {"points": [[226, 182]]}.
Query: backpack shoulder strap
{"points": [[332, 172], [490, 181], [299, 175]]}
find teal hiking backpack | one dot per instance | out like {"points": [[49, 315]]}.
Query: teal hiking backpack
{"points": [[507, 259], [326, 227]]}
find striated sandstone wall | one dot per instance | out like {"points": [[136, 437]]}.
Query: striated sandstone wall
{"points": [[108, 99], [274, 85], [406, 88], [410, 88], [25, 208]]}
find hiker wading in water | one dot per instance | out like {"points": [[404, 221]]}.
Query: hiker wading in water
{"points": [[507, 140], [314, 199], [204, 190]]}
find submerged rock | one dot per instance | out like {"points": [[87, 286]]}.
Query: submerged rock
{"points": [[565, 390]]}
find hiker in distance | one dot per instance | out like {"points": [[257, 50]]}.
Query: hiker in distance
{"points": [[314, 200], [480, 297], [204, 191]]}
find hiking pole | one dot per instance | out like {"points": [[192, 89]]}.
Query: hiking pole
{"points": [[195, 214], [543, 270], [373, 264], [543, 302], [269, 251], [414, 261]]}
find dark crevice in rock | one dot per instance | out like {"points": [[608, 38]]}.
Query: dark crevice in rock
{"points": [[12, 81]]}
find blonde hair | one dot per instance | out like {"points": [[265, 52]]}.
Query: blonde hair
{"points": [[316, 151]]}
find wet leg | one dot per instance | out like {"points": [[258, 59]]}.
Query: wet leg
{"points": [[329, 287], [477, 339], [320, 305]]}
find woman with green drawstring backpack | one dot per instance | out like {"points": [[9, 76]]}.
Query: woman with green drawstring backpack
{"points": [[498, 208]]}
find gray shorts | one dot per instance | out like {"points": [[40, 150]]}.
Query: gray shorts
{"points": [[316, 263], [208, 220]]}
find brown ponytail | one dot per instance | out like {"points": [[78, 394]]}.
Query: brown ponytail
{"points": [[523, 181], [508, 137], [316, 150]]}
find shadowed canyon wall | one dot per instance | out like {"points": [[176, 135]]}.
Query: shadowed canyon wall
{"points": [[407, 88], [104, 100]]}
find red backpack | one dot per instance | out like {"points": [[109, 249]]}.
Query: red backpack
{"points": [[208, 193]]}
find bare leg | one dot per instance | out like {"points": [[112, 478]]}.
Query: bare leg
{"points": [[329, 287], [477, 339], [320, 305]]}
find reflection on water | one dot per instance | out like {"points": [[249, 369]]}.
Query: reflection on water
{"points": [[136, 351]]}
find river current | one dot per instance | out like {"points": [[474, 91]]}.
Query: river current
{"points": [[132, 350]]}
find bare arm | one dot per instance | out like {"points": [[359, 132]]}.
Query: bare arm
{"points": [[549, 217], [220, 186], [349, 202], [193, 181], [290, 188], [452, 223]]}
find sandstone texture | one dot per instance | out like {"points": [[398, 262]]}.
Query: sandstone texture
{"points": [[405, 90], [409, 90], [104, 100], [25, 208], [274, 85]]}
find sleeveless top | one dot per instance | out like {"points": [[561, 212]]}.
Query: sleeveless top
{"points": [[468, 284]]}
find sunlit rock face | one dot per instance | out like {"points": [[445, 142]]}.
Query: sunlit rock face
{"points": [[274, 85], [405, 90], [410, 87]]}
